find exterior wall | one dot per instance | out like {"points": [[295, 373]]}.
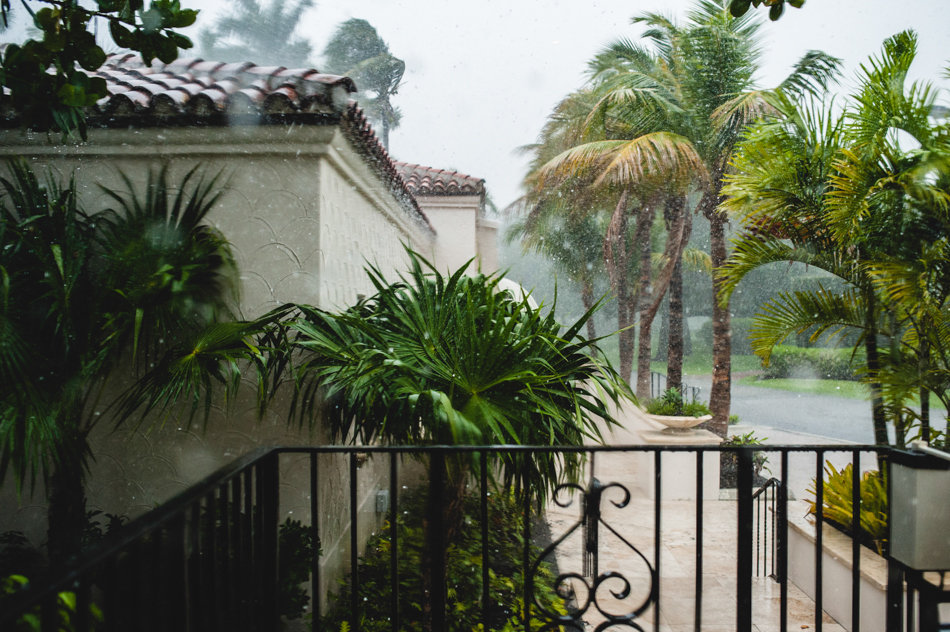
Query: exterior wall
{"points": [[455, 220], [302, 211], [487, 243]]}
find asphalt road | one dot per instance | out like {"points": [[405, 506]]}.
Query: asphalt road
{"points": [[820, 415]]}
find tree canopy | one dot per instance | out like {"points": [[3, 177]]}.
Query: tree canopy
{"points": [[357, 51], [47, 88], [264, 34]]}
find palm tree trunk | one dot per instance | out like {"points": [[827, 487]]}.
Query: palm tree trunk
{"points": [[644, 226], [878, 417], [720, 397], [615, 255], [587, 298], [674, 366], [663, 339]]}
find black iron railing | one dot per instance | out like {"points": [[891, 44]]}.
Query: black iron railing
{"points": [[766, 502], [208, 559], [658, 386]]}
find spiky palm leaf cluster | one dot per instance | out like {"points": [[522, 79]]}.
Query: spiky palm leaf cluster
{"points": [[448, 360], [81, 289]]}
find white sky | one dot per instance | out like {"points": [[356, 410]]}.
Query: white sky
{"points": [[482, 75]]}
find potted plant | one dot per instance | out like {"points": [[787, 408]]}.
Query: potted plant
{"points": [[678, 416]]}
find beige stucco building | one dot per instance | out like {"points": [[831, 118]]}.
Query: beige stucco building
{"points": [[310, 196]]}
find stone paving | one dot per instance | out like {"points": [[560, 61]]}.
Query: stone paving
{"points": [[635, 523]]}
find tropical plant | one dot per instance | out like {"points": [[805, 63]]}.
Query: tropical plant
{"points": [[573, 243], [841, 194], [677, 114], [264, 34], [506, 580], [671, 403], [837, 502], [357, 51], [85, 294], [47, 86], [738, 8], [64, 613], [430, 360], [729, 460]]}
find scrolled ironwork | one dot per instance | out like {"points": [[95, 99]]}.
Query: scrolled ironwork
{"points": [[590, 580]]}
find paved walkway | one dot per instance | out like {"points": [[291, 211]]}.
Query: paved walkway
{"points": [[635, 523]]}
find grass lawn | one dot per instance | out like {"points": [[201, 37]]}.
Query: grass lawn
{"points": [[835, 388], [701, 364]]}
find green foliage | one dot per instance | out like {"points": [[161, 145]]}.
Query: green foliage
{"points": [[837, 502], [263, 34], [734, 420], [506, 581], [295, 553], [671, 404], [823, 364], [95, 532], [65, 609], [357, 51], [82, 289], [731, 460], [738, 8], [436, 360], [55, 100]]}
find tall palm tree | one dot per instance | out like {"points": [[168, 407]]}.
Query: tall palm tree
{"points": [[682, 114], [842, 194], [357, 51], [263, 34], [83, 294]]}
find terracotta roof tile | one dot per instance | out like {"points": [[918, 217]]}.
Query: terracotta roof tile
{"points": [[429, 181], [192, 91]]}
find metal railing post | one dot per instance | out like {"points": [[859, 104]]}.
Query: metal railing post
{"points": [[744, 528], [437, 571], [269, 503]]}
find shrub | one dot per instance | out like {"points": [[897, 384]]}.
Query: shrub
{"points": [[824, 364], [729, 461], [506, 581], [671, 403], [838, 509]]}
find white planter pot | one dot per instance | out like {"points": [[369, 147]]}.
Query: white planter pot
{"points": [[678, 425]]}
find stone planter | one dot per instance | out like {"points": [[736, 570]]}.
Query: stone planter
{"points": [[678, 425], [836, 571]]}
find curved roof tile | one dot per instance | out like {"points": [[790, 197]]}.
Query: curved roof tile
{"points": [[429, 181], [190, 91]]}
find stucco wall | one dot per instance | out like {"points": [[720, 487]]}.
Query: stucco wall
{"points": [[302, 211]]}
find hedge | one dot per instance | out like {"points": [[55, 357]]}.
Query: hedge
{"points": [[825, 364]]}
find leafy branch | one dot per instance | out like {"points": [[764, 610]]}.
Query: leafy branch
{"points": [[55, 100]]}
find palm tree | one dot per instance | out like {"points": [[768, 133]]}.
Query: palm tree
{"points": [[679, 111], [430, 360], [261, 34], [573, 243], [841, 194], [85, 293], [357, 51]]}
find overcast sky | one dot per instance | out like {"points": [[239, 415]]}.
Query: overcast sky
{"points": [[482, 75]]}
